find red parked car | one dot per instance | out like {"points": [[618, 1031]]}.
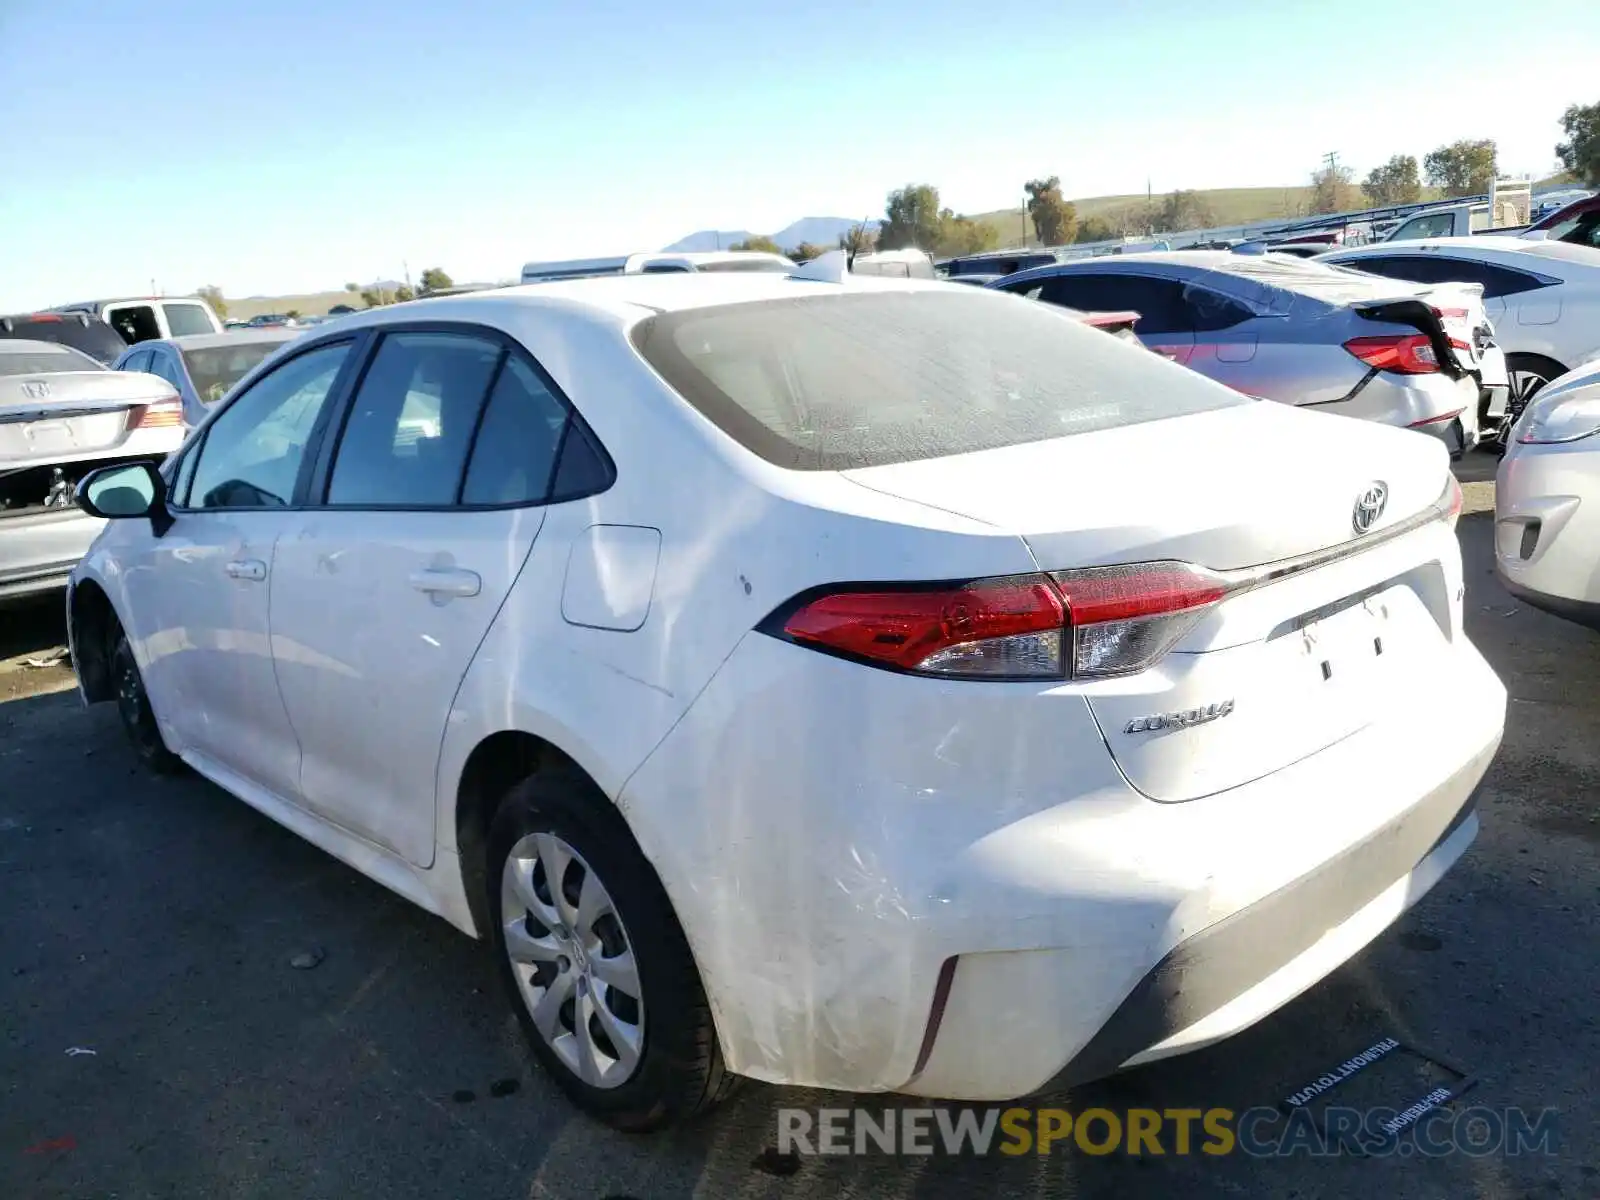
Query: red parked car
{"points": [[1578, 222]]}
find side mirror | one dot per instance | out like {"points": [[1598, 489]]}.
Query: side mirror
{"points": [[133, 489]]}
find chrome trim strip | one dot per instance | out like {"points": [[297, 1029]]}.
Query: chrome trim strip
{"points": [[1252, 577]]}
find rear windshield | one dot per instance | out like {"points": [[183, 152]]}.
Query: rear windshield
{"points": [[215, 369], [184, 319], [827, 383], [43, 362], [92, 335]]}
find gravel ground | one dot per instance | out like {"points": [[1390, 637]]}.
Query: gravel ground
{"points": [[154, 923]]}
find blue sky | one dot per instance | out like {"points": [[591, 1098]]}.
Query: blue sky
{"points": [[291, 146]]}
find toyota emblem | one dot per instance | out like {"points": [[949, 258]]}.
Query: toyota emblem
{"points": [[1369, 506]]}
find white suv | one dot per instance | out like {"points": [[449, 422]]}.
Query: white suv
{"points": [[856, 684]]}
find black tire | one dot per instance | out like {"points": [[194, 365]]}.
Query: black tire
{"points": [[133, 710], [680, 1073]]}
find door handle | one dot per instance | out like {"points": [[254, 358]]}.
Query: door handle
{"points": [[252, 569], [446, 581]]}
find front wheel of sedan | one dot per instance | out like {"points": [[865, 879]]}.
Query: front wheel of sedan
{"points": [[133, 710], [595, 961]]}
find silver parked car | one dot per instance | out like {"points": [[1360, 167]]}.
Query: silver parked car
{"points": [[205, 366], [62, 414], [1303, 333]]}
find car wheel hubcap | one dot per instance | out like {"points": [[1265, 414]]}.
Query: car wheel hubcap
{"points": [[573, 960], [130, 701]]}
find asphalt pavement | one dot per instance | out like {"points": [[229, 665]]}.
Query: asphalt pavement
{"points": [[198, 1003]]}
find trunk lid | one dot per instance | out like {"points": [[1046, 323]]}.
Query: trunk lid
{"points": [[1274, 672], [70, 415]]}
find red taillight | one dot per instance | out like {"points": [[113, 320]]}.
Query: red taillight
{"points": [[1125, 618], [45, 319], [1404, 354], [1454, 320], [1453, 501], [1092, 623], [988, 628], [163, 414]]}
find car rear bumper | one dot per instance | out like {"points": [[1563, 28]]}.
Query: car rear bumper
{"points": [[949, 889], [1547, 526], [37, 553], [1436, 405]]}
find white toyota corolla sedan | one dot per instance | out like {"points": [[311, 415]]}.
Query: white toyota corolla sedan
{"points": [[868, 684], [1547, 500]]}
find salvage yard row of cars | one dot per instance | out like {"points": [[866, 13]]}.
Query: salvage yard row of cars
{"points": [[992, 673]]}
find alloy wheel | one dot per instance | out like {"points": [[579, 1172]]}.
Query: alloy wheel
{"points": [[572, 960]]}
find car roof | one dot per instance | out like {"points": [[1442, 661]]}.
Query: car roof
{"points": [[237, 337], [30, 346], [1259, 280], [1476, 245], [630, 297]]}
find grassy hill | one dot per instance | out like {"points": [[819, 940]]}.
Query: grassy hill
{"points": [[311, 304], [1229, 206]]}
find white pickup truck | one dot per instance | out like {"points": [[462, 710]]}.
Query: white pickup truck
{"points": [[1509, 208]]}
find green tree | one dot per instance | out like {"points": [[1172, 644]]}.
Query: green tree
{"points": [[1464, 168], [404, 293], [1395, 182], [806, 251], [1095, 229], [212, 295], [962, 235], [1055, 219], [293, 314], [353, 287], [758, 242], [1332, 190], [858, 239], [911, 218], [1580, 153], [1181, 210], [433, 279]]}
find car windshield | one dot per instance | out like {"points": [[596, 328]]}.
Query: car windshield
{"points": [[45, 361], [215, 369], [841, 381]]}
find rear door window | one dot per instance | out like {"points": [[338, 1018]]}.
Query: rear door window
{"points": [[514, 453], [411, 424], [135, 322], [1439, 268], [1160, 303], [1210, 311], [163, 364], [841, 381], [186, 319]]}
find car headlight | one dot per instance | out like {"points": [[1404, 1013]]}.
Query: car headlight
{"points": [[1559, 419]]}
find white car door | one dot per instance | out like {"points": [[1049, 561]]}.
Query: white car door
{"points": [[198, 594], [381, 594]]}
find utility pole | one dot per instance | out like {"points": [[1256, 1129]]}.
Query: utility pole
{"points": [[1331, 158]]}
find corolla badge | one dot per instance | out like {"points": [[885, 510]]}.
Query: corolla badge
{"points": [[36, 389], [1369, 506], [1179, 720]]}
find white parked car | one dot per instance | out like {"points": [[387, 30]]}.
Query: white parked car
{"points": [[1543, 297], [855, 684], [1547, 500]]}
